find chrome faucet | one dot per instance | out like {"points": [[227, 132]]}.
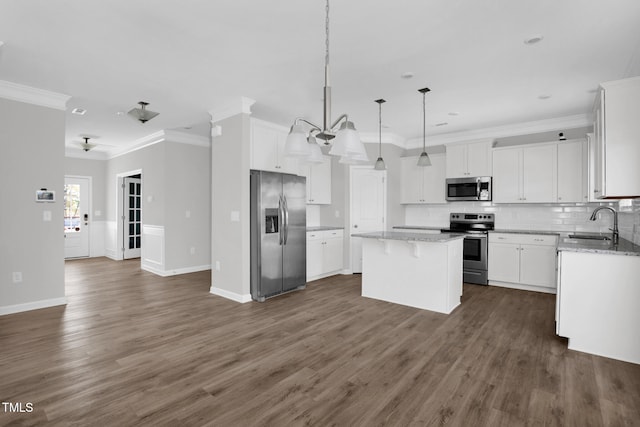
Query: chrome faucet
{"points": [[615, 220]]}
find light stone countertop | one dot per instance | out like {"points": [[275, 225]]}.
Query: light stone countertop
{"points": [[406, 236], [323, 228]]}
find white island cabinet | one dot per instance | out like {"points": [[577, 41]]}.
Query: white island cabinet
{"points": [[414, 269], [598, 302]]}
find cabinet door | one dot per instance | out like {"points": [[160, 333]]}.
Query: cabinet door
{"points": [[284, 164], [598, 150], [456, 166], [433, 180], [319, 183], [504, 262], [332, 254], [571, 178], [479, 159], [411, 180], [539, 174], [506, 176], [538, 265], [264, 148], [314, 255]]}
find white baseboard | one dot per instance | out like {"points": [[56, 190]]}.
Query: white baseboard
{"points": [[175, 272], [230, 295], [112, 254], [523, 287], [346, 271], [35, 305]]}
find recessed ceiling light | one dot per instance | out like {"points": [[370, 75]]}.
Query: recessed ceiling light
{"points": [[120, 113], [407, 75], [442, 124], [544, 96], [454, 113], [79, 111], [533, 39]]}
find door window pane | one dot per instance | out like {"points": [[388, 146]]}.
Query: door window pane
{"points": [[72, 221]]}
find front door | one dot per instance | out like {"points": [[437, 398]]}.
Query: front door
{"points": [[131, 216], [76, 217], [368, 205]]}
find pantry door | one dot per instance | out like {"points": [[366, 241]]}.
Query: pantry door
{"points": [[132, 217], [368, 207], [76, 217]]}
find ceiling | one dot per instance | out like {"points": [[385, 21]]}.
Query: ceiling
{"points": [[189, 58]]}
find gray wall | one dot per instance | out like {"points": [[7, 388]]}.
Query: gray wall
{"points": [[230, 240], [32, 157]]}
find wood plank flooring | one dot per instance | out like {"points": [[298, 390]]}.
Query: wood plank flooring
{"points": [[132, 348]]}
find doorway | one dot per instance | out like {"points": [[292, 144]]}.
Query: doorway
{"points": [[132, 216], [77, 207], [368, 204]]}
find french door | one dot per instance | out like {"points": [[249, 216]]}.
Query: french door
{"points": [[76, 217], [131, 217]]}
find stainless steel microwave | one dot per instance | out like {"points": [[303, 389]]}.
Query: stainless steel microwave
{"points": [[472, 188]]}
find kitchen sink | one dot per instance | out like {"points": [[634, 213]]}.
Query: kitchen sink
{"points": [[588, 239]]}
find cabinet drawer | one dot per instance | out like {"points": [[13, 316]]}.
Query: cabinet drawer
{"points": [[329, 234], [324, 234], [315, 235], [523, 239]]}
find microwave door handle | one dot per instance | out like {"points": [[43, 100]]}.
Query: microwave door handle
{"points": [[478, 184]]}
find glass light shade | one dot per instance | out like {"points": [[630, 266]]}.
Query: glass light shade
{"points": [[424, 160], [314, 149], [296, 144], [347, 141], [380, 166]]}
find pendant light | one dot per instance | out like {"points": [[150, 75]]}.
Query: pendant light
{"points": [[380, 166], [424, 160], [347, 143], [142, 114]]}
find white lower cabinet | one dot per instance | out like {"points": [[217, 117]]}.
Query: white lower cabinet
{"points": [[523, 261], [324, 253]]}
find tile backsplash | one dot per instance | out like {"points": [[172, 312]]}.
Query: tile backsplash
{"points": [[551, 217]]}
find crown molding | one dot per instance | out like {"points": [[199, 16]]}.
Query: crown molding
{"points": [[32, 95], [241, 105], [526, 128], [162, 136]]}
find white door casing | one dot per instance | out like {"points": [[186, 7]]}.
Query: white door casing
{"points": [[368, 204], [132, 217], [77, 208]]}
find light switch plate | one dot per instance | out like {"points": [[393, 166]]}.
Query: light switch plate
{"points": [[235, 216], [46, 215]]}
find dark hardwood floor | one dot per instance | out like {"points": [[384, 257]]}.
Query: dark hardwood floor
{"points": [[132, 348]]}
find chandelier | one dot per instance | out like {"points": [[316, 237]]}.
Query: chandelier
{"points": [[302, 143]]}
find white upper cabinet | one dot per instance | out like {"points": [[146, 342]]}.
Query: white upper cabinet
{"points": [[572, 171], [470, 159], [525, 174], [267, 148], [318, 181], [616, 140], [421, 185]]}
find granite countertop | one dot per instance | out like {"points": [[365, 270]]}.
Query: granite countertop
{"points": [[624, 247], [416, 227], [419, 237], [546, 232], [323, 228]]}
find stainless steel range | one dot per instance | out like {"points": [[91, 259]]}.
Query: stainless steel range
{"points": [[475, 255]]}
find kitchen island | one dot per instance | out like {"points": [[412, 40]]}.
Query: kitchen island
{"points": [[414, 269]]}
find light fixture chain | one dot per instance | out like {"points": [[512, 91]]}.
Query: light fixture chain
{"points": [[380, 129], [326, 55], [424, 121]]}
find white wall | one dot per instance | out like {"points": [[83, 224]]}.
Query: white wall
{"points": [[31, 157]]}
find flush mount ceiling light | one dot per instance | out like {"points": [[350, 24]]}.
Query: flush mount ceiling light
{"points": [[85, 145], [142, 114], [380, 166], [533, 39], [347, 143], [424, 160]]}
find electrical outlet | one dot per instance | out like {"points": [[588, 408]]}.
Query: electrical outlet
{"points": [[192, 250], [17, 276], [218, 265], [337, 214], [187, 214]]}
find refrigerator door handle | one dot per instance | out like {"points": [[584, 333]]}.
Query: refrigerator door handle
{"points": [[286, 219], [280, 221]]}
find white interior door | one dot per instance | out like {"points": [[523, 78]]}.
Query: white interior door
{"points": [[368, 207], [132, 217], [76, 217]]}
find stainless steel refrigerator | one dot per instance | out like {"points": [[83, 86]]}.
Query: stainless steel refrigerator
{"points": [[278, 233]]}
